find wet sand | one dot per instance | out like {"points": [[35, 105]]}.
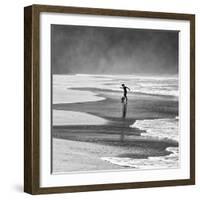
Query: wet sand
{"points": [[81, 147]]}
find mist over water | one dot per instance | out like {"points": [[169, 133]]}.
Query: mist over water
{"points": [[104, 50]]}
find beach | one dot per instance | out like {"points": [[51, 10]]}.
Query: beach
{"points": [[92, 130]]}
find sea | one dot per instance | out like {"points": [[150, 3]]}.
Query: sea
{"points": [[166, 128]]}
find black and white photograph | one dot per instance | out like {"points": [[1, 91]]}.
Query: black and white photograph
{"points": [[109, 99], [114, 99]]}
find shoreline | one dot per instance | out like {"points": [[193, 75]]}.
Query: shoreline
{"points": [[79, 156], [140, 106], [162, 96], [113, 139]]}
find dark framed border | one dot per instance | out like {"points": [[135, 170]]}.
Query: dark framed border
{"points": [[32, 105]]}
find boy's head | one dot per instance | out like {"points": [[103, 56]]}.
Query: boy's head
{"points": [[123, 85]]}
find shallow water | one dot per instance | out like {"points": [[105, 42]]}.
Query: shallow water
{"points": [[167, 128], [154, 85], [170, 161], [155, 128], [159, 128]]}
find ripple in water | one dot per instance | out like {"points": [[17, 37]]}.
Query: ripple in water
{"points": [[157, 128]]}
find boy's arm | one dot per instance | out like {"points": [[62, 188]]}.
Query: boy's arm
{"points": [[128, 88]]}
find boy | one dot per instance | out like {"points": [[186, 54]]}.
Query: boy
{"points": [[125, 92]]}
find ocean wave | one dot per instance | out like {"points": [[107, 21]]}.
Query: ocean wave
{"points": [[155, 128], [158, 128], [159, 162]]}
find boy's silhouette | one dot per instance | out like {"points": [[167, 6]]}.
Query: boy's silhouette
{"points": [[125, 92]]}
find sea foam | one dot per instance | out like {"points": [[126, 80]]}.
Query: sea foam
{"points": [[155, 128], [160, 162], [158, 128]]}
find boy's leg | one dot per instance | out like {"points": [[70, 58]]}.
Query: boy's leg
{"points": [[126, 97]]}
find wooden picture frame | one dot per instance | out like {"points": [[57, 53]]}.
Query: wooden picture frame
{"points": [[32, 105]]}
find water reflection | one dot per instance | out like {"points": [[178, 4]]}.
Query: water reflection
{"points": [[124, 112]]}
